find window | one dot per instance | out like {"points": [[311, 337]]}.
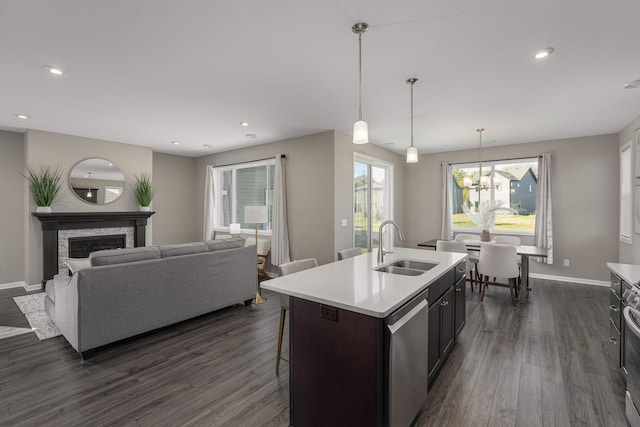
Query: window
{"points": [[372, 204], [625, 193], [240, 185], [511, 183]]}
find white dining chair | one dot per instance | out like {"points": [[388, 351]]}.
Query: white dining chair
{"points": [[508, 240], [463, 236], [498, 260], [473, 254], [349, 253], [286, 269], [459, 247]]}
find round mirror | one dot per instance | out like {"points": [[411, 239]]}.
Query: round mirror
{"points": [[96, 181]]}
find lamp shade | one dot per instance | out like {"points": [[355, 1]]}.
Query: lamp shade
{"points": [[234, 228], [360, 132], [256, 214], [412, 155]]}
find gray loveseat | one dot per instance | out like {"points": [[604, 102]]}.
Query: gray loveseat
{"points": [[126, 292]]}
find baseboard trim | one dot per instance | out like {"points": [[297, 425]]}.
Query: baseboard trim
{"points": [[22, 284], [31, 288], [580, 281]]}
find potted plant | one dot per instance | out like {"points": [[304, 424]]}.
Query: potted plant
{"points": [[44, 184], [143, 190]]}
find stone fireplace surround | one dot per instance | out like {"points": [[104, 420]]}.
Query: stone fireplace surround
{"points": [[59, 226]]}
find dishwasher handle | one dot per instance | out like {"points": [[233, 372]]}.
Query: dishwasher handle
{"points": [[630, 322], [404, 319]]}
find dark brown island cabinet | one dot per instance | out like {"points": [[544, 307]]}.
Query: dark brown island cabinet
{"points": [[341, 360]]}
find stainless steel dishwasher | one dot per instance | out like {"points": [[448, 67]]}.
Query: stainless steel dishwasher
{"points": [[408, 361]]}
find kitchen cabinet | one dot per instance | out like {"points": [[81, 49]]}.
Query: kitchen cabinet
{"points": [[446, 318], [460, 304]]}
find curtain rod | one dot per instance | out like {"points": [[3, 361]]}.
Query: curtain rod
{"points": [[282, 156], [496, 160]]}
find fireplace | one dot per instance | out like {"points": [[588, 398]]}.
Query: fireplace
{"points": [[81, 247], [134, 222]]}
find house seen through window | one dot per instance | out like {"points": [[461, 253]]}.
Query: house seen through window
{"points": [[240, 185], [512, 184]]}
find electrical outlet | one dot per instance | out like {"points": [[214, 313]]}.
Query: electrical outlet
{"points": [[328, 313], [567, 263], [345, 222]]}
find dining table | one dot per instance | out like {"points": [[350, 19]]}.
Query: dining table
{"points": [[525, 252]]}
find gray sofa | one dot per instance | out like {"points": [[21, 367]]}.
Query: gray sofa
{"points": [[126, 292]]}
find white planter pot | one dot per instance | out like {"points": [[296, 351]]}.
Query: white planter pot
{"points": [[43, 209], [145, 209]]}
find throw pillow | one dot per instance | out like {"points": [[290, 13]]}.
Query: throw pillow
{"points": [[75, 264]]}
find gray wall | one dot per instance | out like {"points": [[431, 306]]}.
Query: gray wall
{"points": [[12, 217], [174, 181], [585, 200], [46, 148], [630, 254]]}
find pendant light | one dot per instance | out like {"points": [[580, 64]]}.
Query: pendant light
{"points": [[483, 181], [412, 152], [89, 193], [360, 128]]}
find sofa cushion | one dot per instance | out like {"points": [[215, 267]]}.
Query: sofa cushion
{"points": [[182, 249], [121, 256], [232, 243]]}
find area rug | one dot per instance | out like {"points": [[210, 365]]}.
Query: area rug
{"points": [[32, 306]]}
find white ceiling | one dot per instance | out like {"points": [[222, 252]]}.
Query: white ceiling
{"points": [[149, 72]]}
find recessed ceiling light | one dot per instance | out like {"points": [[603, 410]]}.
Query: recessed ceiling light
{"points": [[22, 116], [54, 70], [245, 124], [175, 142], [632, 84], [251, 135], [543, 53]]}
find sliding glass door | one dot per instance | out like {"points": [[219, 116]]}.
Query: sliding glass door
{"points": [[372, 204]]}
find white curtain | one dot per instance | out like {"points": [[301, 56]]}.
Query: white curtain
{"points": [[543, 236], [447, 172], [210, 217], [280, 229]]}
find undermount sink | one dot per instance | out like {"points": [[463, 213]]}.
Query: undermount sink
{"points": [[414, 265], [406, 267], [398, 270]]}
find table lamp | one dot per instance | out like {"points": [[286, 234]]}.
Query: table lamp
{"points": [[256, 215]]}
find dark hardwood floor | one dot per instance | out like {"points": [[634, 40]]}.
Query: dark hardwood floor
{"points": [[545, 363]]}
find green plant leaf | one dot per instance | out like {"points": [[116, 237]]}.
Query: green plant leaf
{"points": [[44, 184]]}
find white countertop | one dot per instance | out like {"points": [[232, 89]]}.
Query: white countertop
{"points": [[630, 273], [352, 284]]}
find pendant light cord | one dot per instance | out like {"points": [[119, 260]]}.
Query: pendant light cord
{"points": [[480, 177], [412, 113], [360, 76]]}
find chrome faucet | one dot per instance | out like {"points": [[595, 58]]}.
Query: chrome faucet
{"points": [[381, 250]]}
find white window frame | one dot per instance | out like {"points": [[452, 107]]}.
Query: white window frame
{"points": [[490, 164], [219, 171], [626, 201]]}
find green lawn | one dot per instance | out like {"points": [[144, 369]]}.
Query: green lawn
{"points": [[503, 222]]}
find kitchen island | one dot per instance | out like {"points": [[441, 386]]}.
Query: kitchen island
{"points": [[364, 344]]}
